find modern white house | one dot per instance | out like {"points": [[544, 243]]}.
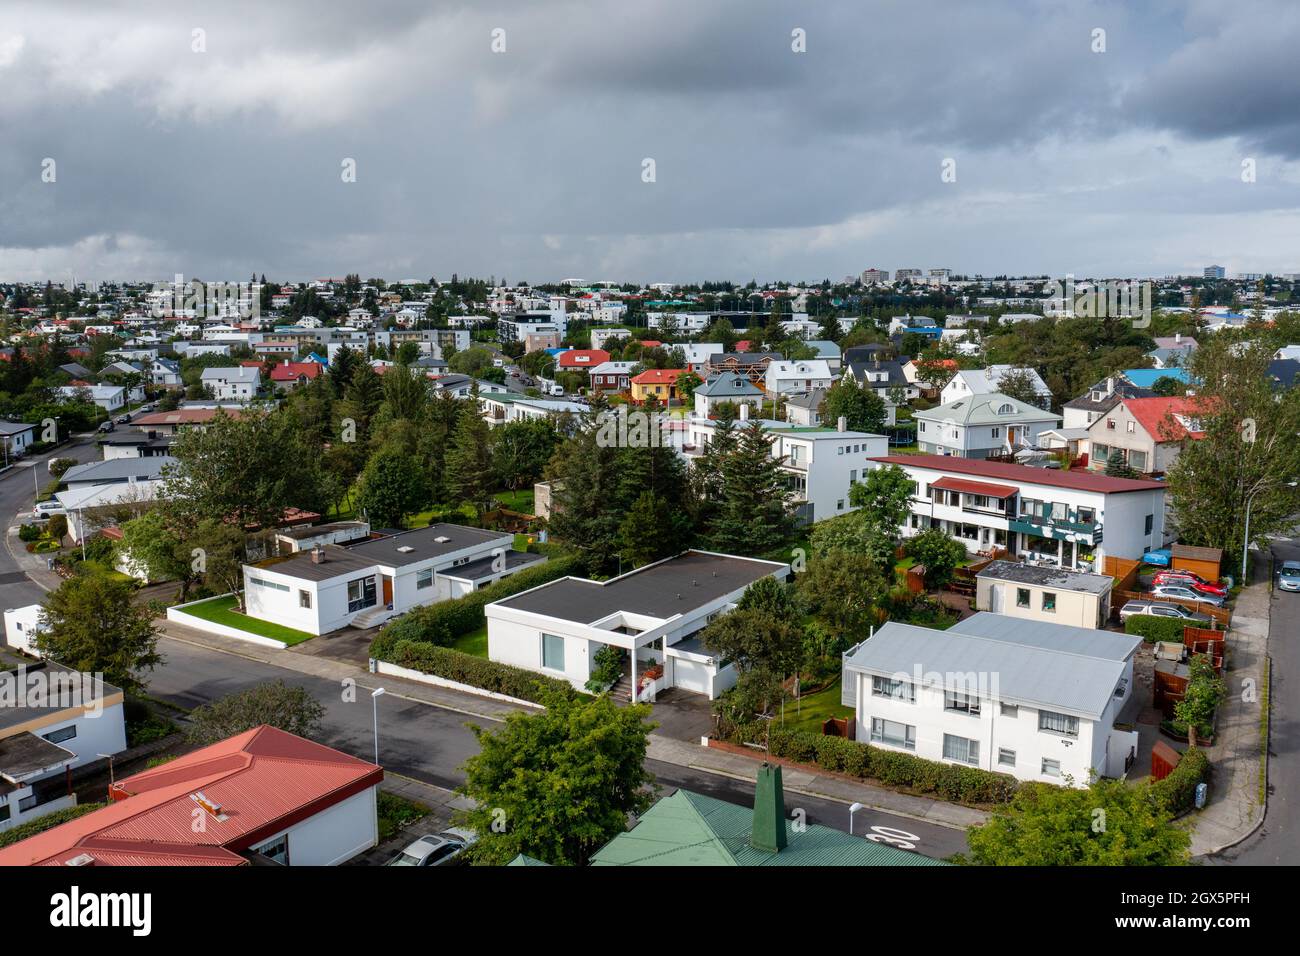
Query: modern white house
{"points": [[1069, 519], [366, 583], [652, 614], [239, 384], [981, 426], [1051, 595], [503, 409], [789, 378], [822, 463], [1034, 700], [968, 382]]}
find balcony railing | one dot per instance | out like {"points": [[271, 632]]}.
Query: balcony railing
{"points": [[1037, 524]]}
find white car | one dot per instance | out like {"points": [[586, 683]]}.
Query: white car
{"points": [[1288, 576], [436, 849], [45, 509]]}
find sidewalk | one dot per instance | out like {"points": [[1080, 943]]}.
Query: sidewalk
{"points": [[1237, 800], [33, 565], [814, 784], [441, 804]]}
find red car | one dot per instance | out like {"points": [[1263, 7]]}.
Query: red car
{"points": [[1191, 580]]}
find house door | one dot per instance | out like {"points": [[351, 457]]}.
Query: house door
{"points": [[388, 590]]}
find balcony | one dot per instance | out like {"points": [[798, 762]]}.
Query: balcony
{"points": [[1061, 529]]}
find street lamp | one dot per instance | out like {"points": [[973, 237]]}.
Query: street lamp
{"points": [[1245, 545], [109, 758], [852, 810], [375, 694]]}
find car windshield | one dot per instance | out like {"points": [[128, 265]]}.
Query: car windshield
{"points": [[406, 860]]}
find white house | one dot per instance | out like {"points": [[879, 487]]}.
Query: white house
{"points": [[651, 614], [968, 382], [239, 384], [1041, 515], [981, 426], [16, 438], [787, 378], [365, 584], [1037, 701], [108, 397], [727, 387]]}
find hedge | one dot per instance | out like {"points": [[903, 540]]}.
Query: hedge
{"points": [[841, 755], [47, 822], [445, 621], [1151, 628], [476, 671], [1177, 792]]}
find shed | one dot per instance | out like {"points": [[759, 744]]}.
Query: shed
{"points": [[1164, 759], [1207, 562]]}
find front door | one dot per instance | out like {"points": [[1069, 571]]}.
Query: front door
{"points": [[388, 590]]}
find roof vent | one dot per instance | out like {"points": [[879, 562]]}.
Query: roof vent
{"points": [[81, 859], [442, 539], [405, 549]]}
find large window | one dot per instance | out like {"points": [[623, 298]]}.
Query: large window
{"points": [[961, 703], [553, 652], [361, 594], [1022, 597], [274, 585], [62, 734], [1058, 723], [1051, 768], [424, 579], [896, 689], [961, 749], [893, 733]]}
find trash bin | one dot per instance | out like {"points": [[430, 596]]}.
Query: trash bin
{"points": [[1202, 790], [49, 564]]}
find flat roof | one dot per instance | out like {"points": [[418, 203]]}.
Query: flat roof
{"points": [[422, 543], [1077, 480], [672, 586], [25, 753], [63, 684], [486, 567], [1048, 577]]}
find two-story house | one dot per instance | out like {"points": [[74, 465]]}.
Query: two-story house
{"points": [[794, 378], [982, 381], [982, 426], [238, 384], [1144, 433]]}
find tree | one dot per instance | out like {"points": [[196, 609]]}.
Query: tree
{"points": [[755, 640], [652, 529], [218, 550], [1205, 692], [938, 553], [469, 475], [562, 781], [776, 598], [520, 451], [91, 625], [1117, 465], [391, 487], [862, 408], [1107, 824], [1022, 385], [152, 543], [289, 708], [754, 516], [585, 470], [1167, 386], [844, 589]]}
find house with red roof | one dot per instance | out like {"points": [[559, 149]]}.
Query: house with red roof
{"points": [[263, 796], [657, 383], [1049, 517], [581, 360], [1144, 433], [289, 375]]}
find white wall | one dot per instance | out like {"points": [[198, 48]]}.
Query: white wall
{"points": [[335, 835]]}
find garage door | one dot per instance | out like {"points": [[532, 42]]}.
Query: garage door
{"points": [[690, 675]]}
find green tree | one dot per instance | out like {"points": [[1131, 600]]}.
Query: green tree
{"points": [[1107, 824], [469, 474], [391, 487], [1205, 692], [756, 640], [520, 451], [91, 625], [563, 781], [1020, 384], [1117, 465], [778, 599], [844, 589], [939, 553], [862, 408], [289, 708], [154, 544], [652, 529], [754, 516]]}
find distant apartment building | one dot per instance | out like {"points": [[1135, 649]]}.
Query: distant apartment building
{"points": [[874, 276], [1215, 272]]}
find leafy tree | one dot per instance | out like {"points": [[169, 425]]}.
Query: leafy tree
{"points": [[289, 708], [1205, 692], [844, 589], [1020, 384], [221, 550], [91, 625], [756, 640], [564, 781], [153, 543], [863, 409], [391, 487], [770, 596], [1107, 824], [520, 451], [1168, 387], [939, 553]]}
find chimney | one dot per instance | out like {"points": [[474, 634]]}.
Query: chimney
{"points": [[842, 425], [768, 830], [1178, 338], [744, 411], [318, 555]]}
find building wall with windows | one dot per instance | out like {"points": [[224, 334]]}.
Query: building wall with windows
{"points": [[1035, 602]]}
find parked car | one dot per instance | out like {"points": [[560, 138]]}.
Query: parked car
{"points": [[1184, 593], [1191, 580], [45, 509], [435, 849], [107, 426], [1158, 609], [1288, 576]]}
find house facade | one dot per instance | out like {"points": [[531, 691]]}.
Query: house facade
{"points": [[794, 378], [238, 384], [611, 377], [968, 382], [981, 426], [1144, 433], [733, 388], [1050, 595]]}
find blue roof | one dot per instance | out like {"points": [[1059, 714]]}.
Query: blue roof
{"points": [[1147, 377], [554, 352]]}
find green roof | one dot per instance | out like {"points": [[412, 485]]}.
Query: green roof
{"points": [[522, 860], [690, 829]]}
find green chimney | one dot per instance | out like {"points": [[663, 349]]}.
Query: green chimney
{"points": [[768, 831]]}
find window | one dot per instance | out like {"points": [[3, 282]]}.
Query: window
{"points": [[893, 733], [277, 851], [894, 689], [274, 585], [961, 749], [4, 812], [424, 579], [1006, 758], [1087, 516], [1137, 460], [1100, 452], [552, 652], [361, 594], [961, 703], [1051, 768], [304, 598], [1049, 602], [997, 432], [1058, 723], [1132, 427], [1022, 597], [1010, 710], [62, 734], [839, 505], [1150, 522]]}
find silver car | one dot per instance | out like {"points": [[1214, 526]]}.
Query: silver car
{"points": [[435, 849], [1288, 576], [1186, 594], [1160, 609]]}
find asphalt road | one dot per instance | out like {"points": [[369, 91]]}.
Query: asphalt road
{"points": [[1277, 842]]}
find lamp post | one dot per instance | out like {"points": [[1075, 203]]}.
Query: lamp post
{"points": [[109, 758], [1245, 545], [375, 694], [852, 810]]}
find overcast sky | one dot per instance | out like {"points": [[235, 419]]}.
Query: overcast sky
{"points": [[528, 163]]}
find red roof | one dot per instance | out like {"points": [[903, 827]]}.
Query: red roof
{"points": [[658, 376], [292, 371], [650, 343], [262, 781], [583, 358], [974, 487], [1077, 480], [184, 416], [1150, 414]]}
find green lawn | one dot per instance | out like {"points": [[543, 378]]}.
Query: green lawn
{"points": [[475, 642], [519, 500], [809, 713], [221, 610]]}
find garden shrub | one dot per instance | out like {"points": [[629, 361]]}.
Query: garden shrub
{"points": [[476, 671], [1177, 792], [1153, 629]]}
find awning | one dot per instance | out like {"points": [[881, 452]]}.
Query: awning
{"points": [[974, 487]]}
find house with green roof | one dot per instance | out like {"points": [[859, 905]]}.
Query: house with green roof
{"points": [[980, 426]]}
